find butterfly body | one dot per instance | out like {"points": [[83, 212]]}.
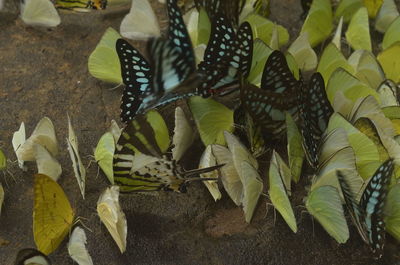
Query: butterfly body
{"points": [[367, 215]]}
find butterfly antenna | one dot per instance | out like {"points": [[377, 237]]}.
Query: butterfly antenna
{"points": [[201, 171], [115, 87], [267, 206]]}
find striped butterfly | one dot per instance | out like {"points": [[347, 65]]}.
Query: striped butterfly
{"points": [[267, 105], [143, 161], [315, 111], [80, 5], [228, 53], [367, 215], [172, 61]]}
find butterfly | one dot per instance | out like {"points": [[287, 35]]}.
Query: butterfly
{"points": [[367, 215], [112, 216], [77, 247], [78, 5], [228, 53], [172, 61], [142, 161], [52, 215], [315, 111], [267, 104], [40, 13]]}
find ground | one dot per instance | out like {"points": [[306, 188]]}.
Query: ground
{"points": [[44, 73]]}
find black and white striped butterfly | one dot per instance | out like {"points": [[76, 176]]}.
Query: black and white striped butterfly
{"points": [[143, 159], [267, 104], [228, 54], [315, 111], [367, 215], [172, 61]]}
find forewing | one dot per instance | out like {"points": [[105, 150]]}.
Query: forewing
{"points": [[277, 76], [136, 75], [179, 35], [319, 106]]}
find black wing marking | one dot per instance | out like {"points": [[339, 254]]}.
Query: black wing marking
{"points": [[136, 75]]}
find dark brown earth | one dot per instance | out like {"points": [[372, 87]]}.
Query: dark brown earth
{"points": [[44, 73]]}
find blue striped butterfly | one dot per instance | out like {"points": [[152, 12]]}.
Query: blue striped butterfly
{"points": [[228, 54], [267, 104], [367, 215], [172, 61], [143, 160], [315, 111]]}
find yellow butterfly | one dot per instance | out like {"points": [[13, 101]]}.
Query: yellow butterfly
{"points": [[52, 216]]}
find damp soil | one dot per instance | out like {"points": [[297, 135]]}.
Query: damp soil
{"points": [[44, 73]]}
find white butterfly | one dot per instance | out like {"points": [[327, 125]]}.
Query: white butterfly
{"points": [[39, 13], [141, 22], [112, 216], [18, 140], [77, 249]]}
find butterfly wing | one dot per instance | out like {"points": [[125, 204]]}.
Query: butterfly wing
{"points": [[136, 75], [245, 48], [277, 76], [226, 54], [52, 215], [372, 203], [40, 13], [179, 36], [319, 105], [315, 111], [356, 212], [267, 105], [232, 8], [221, 41]]}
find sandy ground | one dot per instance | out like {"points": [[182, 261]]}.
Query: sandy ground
{"points": [[44, 73]]}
